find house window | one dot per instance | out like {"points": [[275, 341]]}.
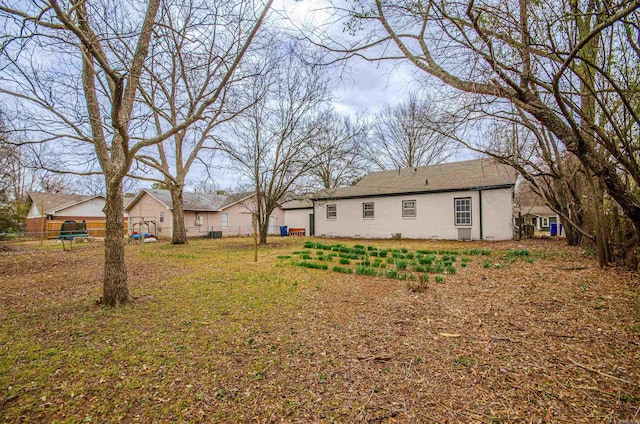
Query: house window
{"points": [[463, 211], [545, 221], [408, 208], [332, 212], [198, 219], [161, 216], [224, 221], [367, 210]]}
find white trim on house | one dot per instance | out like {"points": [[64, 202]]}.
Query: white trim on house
{"points": [[368, 210], [460, 200], [332, 211], [435, 216], [409, 209], [463, 211], [224, 221], [58, 209]]}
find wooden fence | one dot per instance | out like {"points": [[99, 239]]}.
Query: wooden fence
{"points": [[94, 228]]}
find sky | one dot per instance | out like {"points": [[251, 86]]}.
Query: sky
{"points": [[359, 86]]}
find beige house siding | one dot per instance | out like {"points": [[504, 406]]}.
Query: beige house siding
{"points": [[149, 209], [298, 218], [497, 210], [206, 220], [277, 220], [89, 208], [435, 216], [239, 221], [92, 207]]}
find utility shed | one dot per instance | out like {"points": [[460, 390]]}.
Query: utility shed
{"points": [[299, 214]]}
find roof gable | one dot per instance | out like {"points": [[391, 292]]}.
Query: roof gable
{"points": [[235, 198], [194, 202], [56, 201], [453, 176]]}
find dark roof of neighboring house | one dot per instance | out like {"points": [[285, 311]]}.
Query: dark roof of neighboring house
{"points": [[454, 176], [297, 204], [54, 202], [537, 210], [195, 201]]}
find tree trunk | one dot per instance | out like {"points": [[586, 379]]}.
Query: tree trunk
{"points": [[179, 235], [115, 290], [574, 238], [263, 229], [602, 240]]}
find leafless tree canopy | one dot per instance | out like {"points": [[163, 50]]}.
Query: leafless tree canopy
{"points": [[271, 144], [337, 151], [571, 67], [77, 69], [409, 134], [195, 64]]}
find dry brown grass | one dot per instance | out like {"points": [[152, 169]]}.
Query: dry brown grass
{"points": [[213, 337]]}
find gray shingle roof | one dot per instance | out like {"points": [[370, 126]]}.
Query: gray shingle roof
{"points": [[539, 210], [465, 175], [199, 201], [56, 201], [297, 204]]}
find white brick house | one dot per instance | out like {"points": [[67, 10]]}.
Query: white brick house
{"points": [[457, 201]]}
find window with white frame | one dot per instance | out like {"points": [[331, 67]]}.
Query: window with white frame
{"points": [[368, 210], [545, 221], [161, 216], [224, 221], [463, 211], [332, 211], [408, 208], [198, 219]]}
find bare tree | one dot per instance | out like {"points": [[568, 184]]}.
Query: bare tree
{"points": [[570, 66], [84, 91], [195, 58], [409, 134], [10, 181], [337, 151], [549, 171], [20, 174], [270, 145], [108, 63]]}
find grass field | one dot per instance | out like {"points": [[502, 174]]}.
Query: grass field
{"points": [[542, 336]]}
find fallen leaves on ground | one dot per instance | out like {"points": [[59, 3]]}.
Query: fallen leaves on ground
{"points": [[214, 337]]}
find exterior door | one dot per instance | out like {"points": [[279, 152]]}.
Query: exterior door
{"points": [[272, 225]]}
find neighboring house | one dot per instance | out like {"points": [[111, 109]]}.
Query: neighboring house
{"points": [[540, 217], [299, 214], [470, 200], [60, 207], [203, 214]]}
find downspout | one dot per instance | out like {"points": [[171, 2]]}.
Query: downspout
{"points": [[313, 213], [480, 211]]}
